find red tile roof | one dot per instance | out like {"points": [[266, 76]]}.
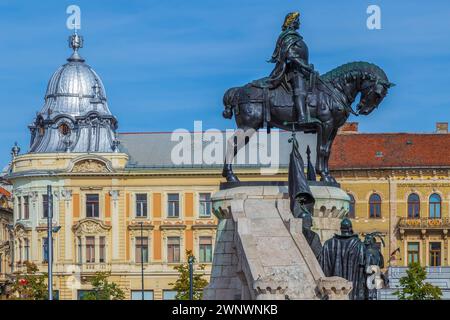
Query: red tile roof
{"points": [[5, 192], [389, 150]]}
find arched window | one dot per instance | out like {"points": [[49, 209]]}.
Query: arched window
{"points": [[413, 206], [435, 206], [375, 206], [351, 208]]}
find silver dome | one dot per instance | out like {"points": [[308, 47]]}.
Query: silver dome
{"points": [[71, 90], [75, 116]]}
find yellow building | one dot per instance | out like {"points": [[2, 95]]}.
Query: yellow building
{"points": [[400, 185]]}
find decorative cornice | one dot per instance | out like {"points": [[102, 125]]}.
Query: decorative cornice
{"points": [[137, 226], [172, 226], [204, 226]]}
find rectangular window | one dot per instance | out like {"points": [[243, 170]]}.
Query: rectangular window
{"points": [[141, 249], [45, 249], [44, 206], [137, 294], [20, 251], [102, 250], [435, 254], [173, 249], [173, 205], [92, 205], [26, 207], [26, 249], [413, 252], [19, 208], [205, 205], [169, 294], [80, 251], [205, 249], [141, 205], [90, 249], [1, 263]]}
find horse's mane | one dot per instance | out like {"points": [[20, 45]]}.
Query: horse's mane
{"points": [[355, 69]]}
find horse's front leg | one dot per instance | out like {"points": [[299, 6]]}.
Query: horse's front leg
{"points": [[327, 153], [236, 142], [323, 146], [320, 153]]}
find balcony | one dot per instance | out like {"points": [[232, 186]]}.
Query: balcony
{"points": [[423, 223]]}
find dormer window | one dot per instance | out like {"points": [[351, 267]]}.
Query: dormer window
{"points": [[64, 129]]}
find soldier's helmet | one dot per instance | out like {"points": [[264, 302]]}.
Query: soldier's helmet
{"points": [[290, 19], [346, 227]]}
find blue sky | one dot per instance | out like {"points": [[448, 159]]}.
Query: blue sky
{"points": [[168, 63]]}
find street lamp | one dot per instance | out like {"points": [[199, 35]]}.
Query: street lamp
{"points": [[50, 230], [191, 277], [142, 259], [11, 244]]}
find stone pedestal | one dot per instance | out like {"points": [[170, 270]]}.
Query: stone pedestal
{"points": [[261, 253]]}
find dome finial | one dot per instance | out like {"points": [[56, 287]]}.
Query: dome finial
{"points": [[75, 42]]}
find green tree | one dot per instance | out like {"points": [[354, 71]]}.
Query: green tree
{"points": [[414, 287], [29, 285], [103, 289], [181, 286]]}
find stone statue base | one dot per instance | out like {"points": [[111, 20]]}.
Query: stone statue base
{"points": [[332, 204], [261, 253]]}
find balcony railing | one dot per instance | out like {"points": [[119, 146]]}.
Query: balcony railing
{"points": [[424, 223]]}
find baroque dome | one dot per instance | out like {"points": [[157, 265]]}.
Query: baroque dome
{"points": [[75, 116]]}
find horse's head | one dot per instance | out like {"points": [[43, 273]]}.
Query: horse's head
{"points": [[373, 91]]}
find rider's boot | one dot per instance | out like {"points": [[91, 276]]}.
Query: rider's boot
{"points": [[300, 108]]}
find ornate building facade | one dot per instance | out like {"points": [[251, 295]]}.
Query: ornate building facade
{"points": [[6, 222], [108, 216]]}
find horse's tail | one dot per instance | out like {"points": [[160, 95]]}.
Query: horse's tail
{"points": [[228, 102]]}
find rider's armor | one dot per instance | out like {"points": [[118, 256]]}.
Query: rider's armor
{"points": [[292, 66]]}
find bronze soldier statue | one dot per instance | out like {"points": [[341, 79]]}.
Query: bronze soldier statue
{"points": [[344, 256], [292, 67]]}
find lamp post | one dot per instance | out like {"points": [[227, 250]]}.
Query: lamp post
{"points": [[142, 259], [11, 245], [50, 241], [191, 277]]}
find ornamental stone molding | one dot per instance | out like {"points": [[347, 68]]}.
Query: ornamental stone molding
{"points": [[66, 194], [21, 231], [90, 164], [172, 227], [114, 194], [90, 226]]}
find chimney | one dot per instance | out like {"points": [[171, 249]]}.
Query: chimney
{"points": [[441, 127], [349, 127]]}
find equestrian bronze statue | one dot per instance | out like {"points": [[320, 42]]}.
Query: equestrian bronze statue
{"points": [[296, 97]]}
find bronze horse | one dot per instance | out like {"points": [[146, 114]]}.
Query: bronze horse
{"points": [[329, 105]]}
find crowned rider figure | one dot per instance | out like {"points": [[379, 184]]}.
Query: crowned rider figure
{"points": [[292, 67]]}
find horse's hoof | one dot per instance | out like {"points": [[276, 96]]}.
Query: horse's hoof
{"points": [[231, 177]]}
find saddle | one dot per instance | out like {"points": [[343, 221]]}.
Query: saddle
{"points": [[279, 97]]}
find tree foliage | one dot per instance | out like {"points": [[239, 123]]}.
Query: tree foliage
{"points": [[103, 289], [414, 287], [181, 286], [29, 285]]}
